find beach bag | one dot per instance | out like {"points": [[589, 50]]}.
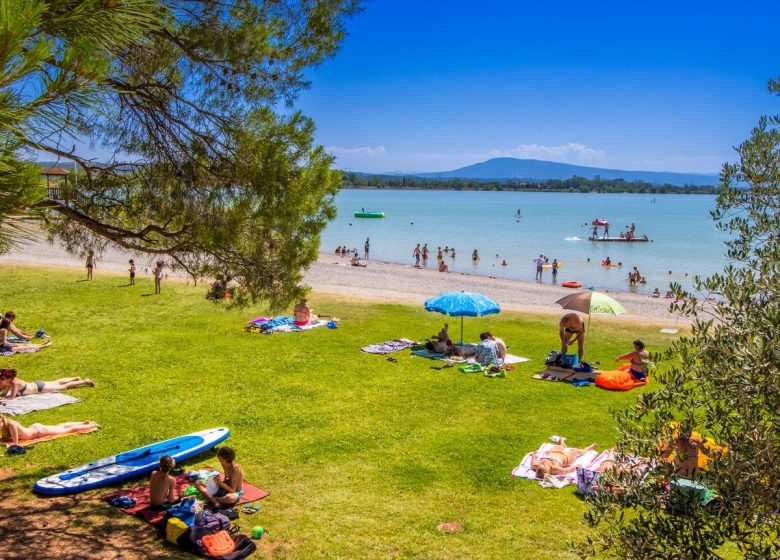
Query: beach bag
{"points": [[553, 358], [175, 529], [569, 360], [587, 481], [185, 510], [244, 547], [208, 523]]}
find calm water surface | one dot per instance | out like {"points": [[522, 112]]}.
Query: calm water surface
{"points": [[685, 239]]}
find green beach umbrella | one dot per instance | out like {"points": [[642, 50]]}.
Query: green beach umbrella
{"points": [[591, 302]]}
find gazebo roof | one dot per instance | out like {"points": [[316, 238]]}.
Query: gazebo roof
{"points": [[58, 171]]}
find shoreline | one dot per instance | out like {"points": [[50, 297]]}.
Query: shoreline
{"points": [[379, 282]]}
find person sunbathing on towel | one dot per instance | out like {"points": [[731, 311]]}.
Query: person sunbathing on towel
{"points": [[640, 360], [12, 387], [557, 460], [303, 315], [572, 328], [14, 432]]}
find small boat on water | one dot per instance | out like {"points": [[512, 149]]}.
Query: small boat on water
{"points": [[365, 214], [599, 222], [643, 239]]}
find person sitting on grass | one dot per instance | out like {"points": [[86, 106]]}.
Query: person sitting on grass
{"points": [[13, 432], [7, 328], [11, 386], [557, 460], [302, 314], [500, 346], [162, 486], [231, 484], [441, 343], [487, 351], [640, 360]]}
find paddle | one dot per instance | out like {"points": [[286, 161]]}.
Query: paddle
{"points": [[146, 453]]}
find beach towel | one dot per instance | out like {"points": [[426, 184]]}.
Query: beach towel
{"points": [[524, 470], [11, 350], [38, 401], [143, 510], [284, 323], [425, 353], [47, 438], [668, 331], [389, 347], [554, 373]]}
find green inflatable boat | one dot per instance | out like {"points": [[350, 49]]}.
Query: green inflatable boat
{"points": [[369, 214]]}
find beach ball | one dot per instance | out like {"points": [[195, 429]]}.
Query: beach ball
{"points": [[257, 532]]}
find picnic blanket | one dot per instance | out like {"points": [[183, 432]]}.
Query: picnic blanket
{"points": [[47, 438], [389, 347], [143, 510], [589, 460], [425, 353], [555, 373], [38, 401]]}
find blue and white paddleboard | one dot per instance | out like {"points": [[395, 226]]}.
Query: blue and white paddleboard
{"points": [[130, 464]]}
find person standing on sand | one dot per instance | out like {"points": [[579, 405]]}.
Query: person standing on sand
{"points": [[365, 247], [158, 275], [539, 264], [417, 254], [91, 263]]}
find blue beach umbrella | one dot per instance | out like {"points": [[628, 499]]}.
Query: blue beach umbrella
{"points": [[462, 304]]}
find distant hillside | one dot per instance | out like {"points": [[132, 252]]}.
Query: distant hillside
{"points": [[536, 170]]}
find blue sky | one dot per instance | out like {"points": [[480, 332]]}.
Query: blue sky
{"points": [[434, 85]]}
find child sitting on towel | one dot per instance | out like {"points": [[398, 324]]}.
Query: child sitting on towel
{"points": [[162, 486], [230, 486]]}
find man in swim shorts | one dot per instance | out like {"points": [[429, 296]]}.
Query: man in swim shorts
{"points": [[572, 328], [639, 358]]}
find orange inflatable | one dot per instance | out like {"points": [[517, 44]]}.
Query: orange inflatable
{"points": [[572, 284], [619, 380]]}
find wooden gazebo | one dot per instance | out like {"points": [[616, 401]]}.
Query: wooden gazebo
{"points": [[56, 192]]}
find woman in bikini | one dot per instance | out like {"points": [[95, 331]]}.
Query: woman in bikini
{"points": [[639, 358], [13, 432], [557, 460], [7, 328], [12, 387]]}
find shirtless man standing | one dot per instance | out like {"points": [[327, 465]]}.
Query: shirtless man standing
{"points": [[572, 328]]}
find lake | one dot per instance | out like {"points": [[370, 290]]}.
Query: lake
{"points": [[684, 238]]}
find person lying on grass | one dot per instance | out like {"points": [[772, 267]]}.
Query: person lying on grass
{"points": [[162, 486], [11, 386], [13, 432], [557, 460], [231, 484]]}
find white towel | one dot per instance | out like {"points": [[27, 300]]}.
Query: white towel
{"points": [[38, 401]]}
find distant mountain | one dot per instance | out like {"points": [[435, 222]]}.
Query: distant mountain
{"points": [[536, 170]]}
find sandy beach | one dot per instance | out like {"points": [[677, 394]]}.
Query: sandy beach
{"points": [[379, 281]]}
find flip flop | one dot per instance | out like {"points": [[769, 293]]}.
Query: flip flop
{"points": [[391, 359], [250, 509]]}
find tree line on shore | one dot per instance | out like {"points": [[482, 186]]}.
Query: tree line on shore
{"points": [[573, 184]]}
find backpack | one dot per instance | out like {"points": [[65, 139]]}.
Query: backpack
{"points": [[553, 358], [207, 523], [244, 547]]}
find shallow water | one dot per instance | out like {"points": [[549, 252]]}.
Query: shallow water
{"points": [[684, 237]]}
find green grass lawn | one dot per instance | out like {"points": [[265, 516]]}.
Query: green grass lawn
{"points": [[364, 457]]}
